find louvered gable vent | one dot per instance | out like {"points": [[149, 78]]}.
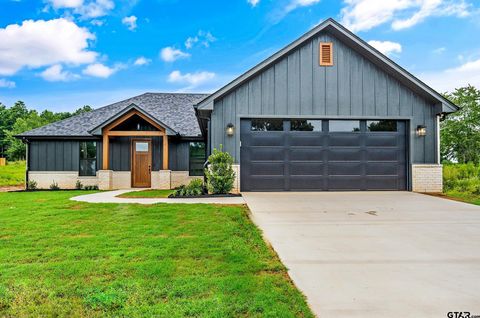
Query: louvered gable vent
{"points": [[326, 54]]}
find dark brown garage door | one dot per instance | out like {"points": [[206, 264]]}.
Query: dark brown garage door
{"points": [[302, 155]]}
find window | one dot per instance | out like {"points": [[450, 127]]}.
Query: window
{"points": [[88, 158], [344, 125], [326, 54], [267, 124], [141, 146], [305, 125], [382, 125], [196, 158]]}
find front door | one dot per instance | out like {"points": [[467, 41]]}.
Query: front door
{"points": [[141, 163]]}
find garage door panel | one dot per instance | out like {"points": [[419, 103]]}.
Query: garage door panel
{"points": [[344, 154], [267, 168], [382, 154], [300, 153], [266, 153], [266, 139], [266, 183], [381, 183], [309, 139], [381, 168], [345, 168], [306, 183], [381, 140], [344, 139], [306, 168], [345, 183]]}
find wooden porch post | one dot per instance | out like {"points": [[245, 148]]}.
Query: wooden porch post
{"points": [[105, 151], [165, 152]]}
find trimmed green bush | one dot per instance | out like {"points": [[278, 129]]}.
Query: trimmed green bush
{"points": [[464, 178], [220, 175], [54, 186], [194, 188]]}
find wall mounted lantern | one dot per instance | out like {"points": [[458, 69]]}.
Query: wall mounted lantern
{"points": [[421, 130], [230, 129]]}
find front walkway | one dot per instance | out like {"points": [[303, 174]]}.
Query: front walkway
{"points": [[111, 197], [375, 254]]}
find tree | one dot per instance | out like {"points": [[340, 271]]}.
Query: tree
{"points": [[16, 148], [460, 131]]}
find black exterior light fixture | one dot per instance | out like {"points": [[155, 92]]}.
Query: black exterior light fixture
{"points": [[230, 129], [421, 130]]}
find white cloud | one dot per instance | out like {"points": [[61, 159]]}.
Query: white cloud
{"points": [[97, 22], [95, 9], [142, 61], [57, 4], [294, 4], [55, 73], [41, 43], [100, 70], [130, 22], [439, 50], [170, 54], [278, 14], [253, 3], [449, 79], [386, 47], [190, 79], [362, 15], [202, 37], [4, 83]]}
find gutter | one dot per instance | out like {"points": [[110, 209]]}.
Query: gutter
{"points": [[27, 161]]}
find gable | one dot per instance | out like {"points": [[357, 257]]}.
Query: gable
{"points": [[347, 39]]}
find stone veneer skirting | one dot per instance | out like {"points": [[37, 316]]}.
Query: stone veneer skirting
{"points": [[64, 179], [427, 178]]}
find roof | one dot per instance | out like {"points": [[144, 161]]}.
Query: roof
{"points": [[173, 110], [356, 43]]}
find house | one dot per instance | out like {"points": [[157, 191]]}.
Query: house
{"points": [[327, 112]]}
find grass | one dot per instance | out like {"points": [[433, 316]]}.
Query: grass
{"points": [[147, 194], [12, 174], [60, 258], [462, 182]]}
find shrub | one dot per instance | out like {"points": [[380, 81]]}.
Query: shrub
{"points": [[194, 188], [78, 185], [463, 178], [54, 186], [220, 175], [32, 185], [90, 187]]}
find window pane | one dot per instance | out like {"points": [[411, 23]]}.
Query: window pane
{"points": [[88, 150], [196, 158], [267, 124], [382, 125], [87, 167], [141, 146], [306, 125], [344, 125]]}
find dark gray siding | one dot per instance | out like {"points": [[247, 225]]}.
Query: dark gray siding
{"points": [[297, 86], [57, 155], [178, 155]]}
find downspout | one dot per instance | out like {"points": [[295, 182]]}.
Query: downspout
{"points": [[438, 140], [27, 161]]}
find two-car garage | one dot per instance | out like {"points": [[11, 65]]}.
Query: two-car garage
{"points": [[319, 155]]}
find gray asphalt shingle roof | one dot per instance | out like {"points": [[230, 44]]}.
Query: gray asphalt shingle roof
{"points": [[174, 110]]}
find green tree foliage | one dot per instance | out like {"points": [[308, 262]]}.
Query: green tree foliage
{"points": [[460, 131], [220, 174], [18, 119]]}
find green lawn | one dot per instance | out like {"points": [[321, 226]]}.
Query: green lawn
{"points": [[60, 258], [12, 174], [147, 194]]}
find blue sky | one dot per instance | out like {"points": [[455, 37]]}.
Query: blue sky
{"points": [[62, 54]]}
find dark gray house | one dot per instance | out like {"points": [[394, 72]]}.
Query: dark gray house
{"points": [[327, 112]]}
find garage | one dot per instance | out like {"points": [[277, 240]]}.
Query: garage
{"points": [[323, 154]]}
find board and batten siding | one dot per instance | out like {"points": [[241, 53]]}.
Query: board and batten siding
{"points": [[297, 86], [57, 155]]}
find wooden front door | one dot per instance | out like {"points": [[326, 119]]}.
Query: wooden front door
{"points": [[141, 163]]}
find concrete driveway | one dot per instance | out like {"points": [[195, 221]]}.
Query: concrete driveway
{"points": [[375, 254]]}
